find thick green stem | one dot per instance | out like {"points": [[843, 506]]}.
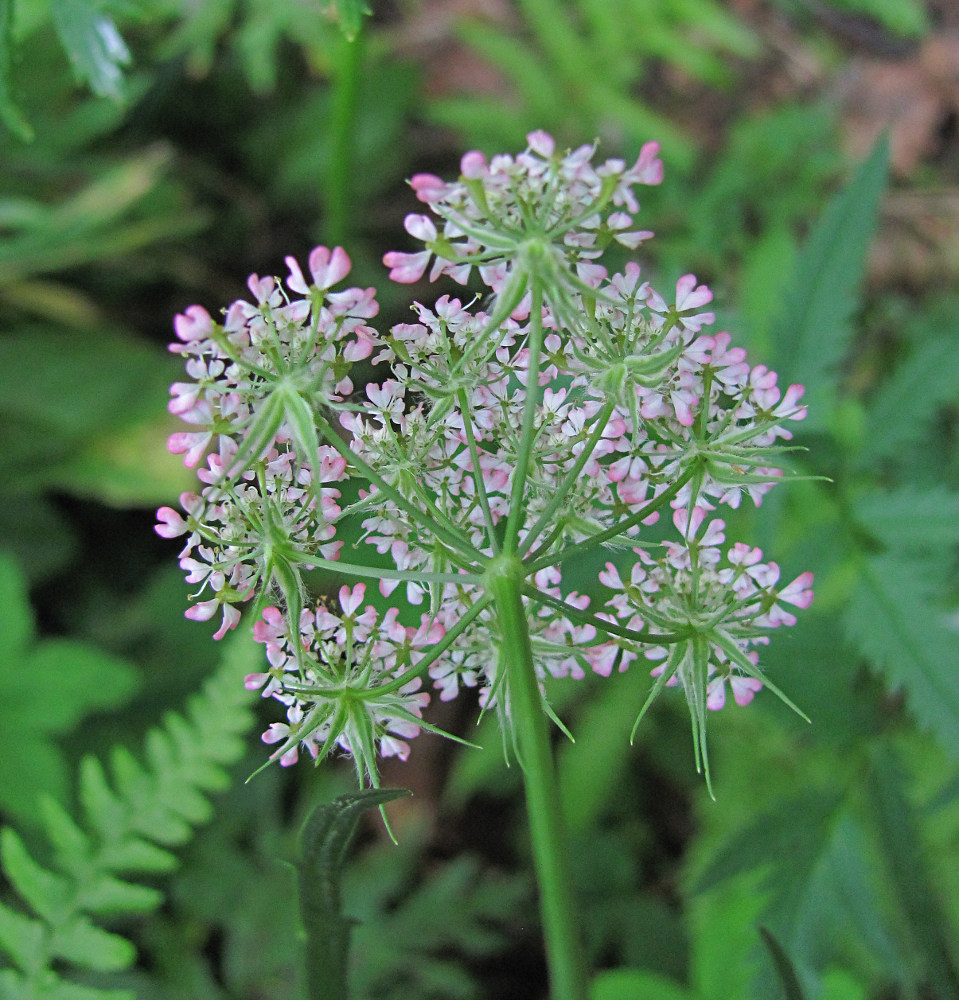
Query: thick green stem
{"points": [[567, 969]]}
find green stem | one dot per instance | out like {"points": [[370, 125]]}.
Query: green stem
{"points": [[617, 529], [385, 573], [481, 494], [339, 178], [516, 506], [567, 968], [562, 491], [446, 532]]}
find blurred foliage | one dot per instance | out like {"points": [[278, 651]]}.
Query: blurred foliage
{"points": [[228, 134]]}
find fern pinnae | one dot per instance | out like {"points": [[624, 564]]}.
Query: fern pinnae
{"points": [[131, 817]]}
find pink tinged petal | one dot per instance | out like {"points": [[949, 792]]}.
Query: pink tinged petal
{"points": [[428, 187], [203, 611], [190, 445], [406, 268], [169, 523], [744, 689], [541, 143], [195, 323], [231, 618], [295, 281], [689, 295], [358, 350], [350, 600], [328, 267], [253, 682], [716, 694], [420, 227], [648, 168], [473, 165], [609, 577], [798, 593]]}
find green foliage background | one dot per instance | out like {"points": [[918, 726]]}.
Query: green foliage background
{"points": [[155, 152]]}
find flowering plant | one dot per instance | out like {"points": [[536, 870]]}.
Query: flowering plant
{"points": [[567, 411]]}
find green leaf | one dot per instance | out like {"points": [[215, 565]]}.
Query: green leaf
{"points": [[323, 846], [894, 617], [93, 44], [21, 938], [48, 894], [636, 984], [813, 332], [10, 114], [902, 406], [784, 966], [924, 925], [911, 516], [90, 947]]}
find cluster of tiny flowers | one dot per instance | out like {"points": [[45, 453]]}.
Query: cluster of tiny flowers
{"points": [[567, 411], [332, 676]]}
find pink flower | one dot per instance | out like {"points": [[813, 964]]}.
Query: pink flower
{"points": [[326, 268]]}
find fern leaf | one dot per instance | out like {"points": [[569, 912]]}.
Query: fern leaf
{"points": [[905, 403], [911, 516], [129, 817], [813, 332], [894, 619]]}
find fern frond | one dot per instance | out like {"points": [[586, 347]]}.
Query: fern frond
{"points": [[132, 815]]}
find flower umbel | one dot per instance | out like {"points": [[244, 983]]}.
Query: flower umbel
{"points": [[496, 446]]}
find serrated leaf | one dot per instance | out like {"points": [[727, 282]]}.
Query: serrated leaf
{"points": [[21, 937], [48, 894], [324, 843], [894, 618], [94, 45], [911, 516], [813, 332], [91, 947], [924, 921], [903, 404]]}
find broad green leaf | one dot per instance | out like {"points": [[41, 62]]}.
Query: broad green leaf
{"points": [[636, 984], [91, 947], [911, 516], [93, 44], [813, 332], [31, 765], [894, 617], [323, 847], [10, 114]]}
